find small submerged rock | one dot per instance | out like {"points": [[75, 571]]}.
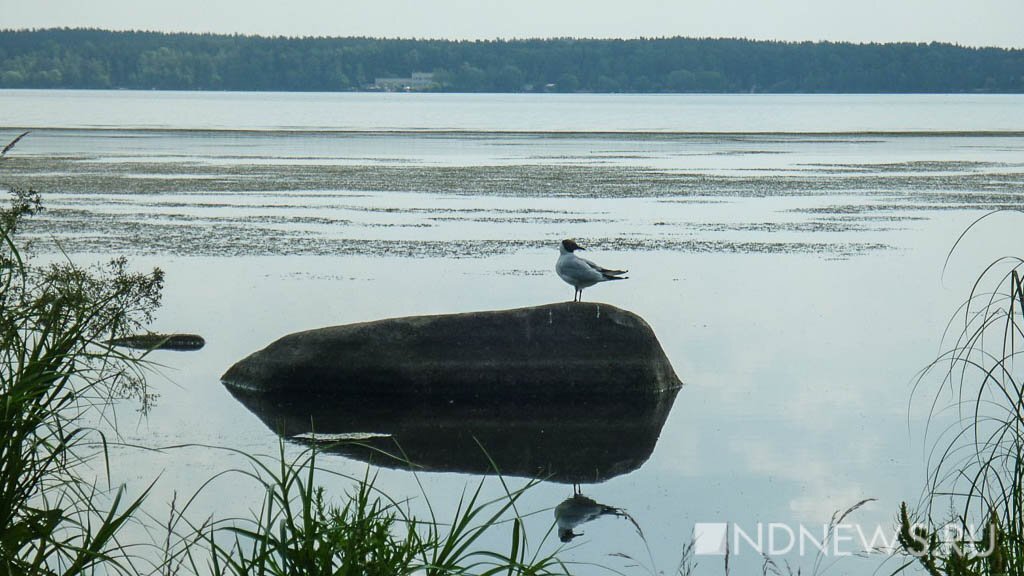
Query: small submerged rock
{"points": [[558, 350], [179, 342]]}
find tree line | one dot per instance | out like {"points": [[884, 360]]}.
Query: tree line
{"points": [[89, 58]]}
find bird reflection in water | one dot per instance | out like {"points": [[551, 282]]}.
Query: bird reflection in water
{"points": [[579, 509]]}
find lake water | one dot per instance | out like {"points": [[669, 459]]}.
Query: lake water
{"points": [[787, 251]]}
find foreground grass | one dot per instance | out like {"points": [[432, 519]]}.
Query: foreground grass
{"points": [[55, 369], [977, 467], [297, 531]]}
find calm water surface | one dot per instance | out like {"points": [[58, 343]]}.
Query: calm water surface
{"points": [[787, 251], [511, 112]]}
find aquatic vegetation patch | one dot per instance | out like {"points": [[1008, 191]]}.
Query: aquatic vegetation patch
{"points": [[517, 180]]}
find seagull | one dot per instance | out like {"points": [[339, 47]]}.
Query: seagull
{"points": [[580, 272], [578, 509]]}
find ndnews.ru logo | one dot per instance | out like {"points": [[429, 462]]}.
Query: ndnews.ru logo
{"points": [[780, 539]]}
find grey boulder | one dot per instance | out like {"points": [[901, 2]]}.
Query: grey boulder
{"points": [[565, 350]]}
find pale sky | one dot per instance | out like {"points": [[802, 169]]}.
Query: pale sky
{"points": [[967, 22]]}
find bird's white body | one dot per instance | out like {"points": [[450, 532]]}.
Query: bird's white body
{"points": [[579, 272]]}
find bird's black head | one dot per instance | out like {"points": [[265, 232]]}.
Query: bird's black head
{"points": [[571, 246], [566, 534]]}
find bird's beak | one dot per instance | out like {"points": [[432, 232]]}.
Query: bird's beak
{"points": [[578, 247]]}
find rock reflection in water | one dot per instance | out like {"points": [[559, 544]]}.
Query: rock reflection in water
{"points": [[574, 441]]}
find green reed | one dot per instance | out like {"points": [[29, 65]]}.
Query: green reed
{"points": [[976, 468], [55, 368]]}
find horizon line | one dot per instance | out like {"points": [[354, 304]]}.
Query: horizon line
{"points": [[511, 38]]}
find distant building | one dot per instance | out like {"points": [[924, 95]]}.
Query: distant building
{"points": [[418, 81]]}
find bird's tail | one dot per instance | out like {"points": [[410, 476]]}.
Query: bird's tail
{"points": [[613, 511], [613, 274]]}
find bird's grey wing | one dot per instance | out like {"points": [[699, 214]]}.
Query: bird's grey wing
{"points": [[582, 269], [603, 271]]}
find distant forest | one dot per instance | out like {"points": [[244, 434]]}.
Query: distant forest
{"points": [[78, 58]]}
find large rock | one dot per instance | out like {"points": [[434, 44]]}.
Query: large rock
{"points": [[567, 350]]}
